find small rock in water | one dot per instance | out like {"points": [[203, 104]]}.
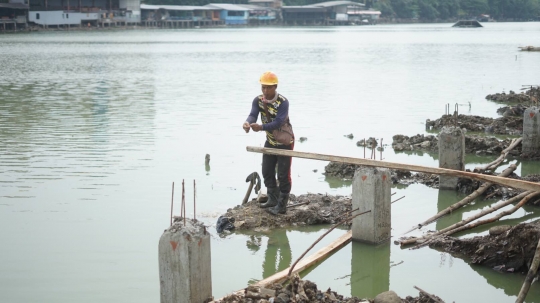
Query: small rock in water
{"points": [[350, 136], [497, 230], [361, 143], [302, 139], [314, 170]]}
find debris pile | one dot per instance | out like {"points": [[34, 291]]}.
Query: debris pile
{"points": [[312, 209], [508, 125], [511, 97], [305, 291]]}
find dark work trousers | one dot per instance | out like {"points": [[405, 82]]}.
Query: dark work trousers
{"points": [[284, 169]]}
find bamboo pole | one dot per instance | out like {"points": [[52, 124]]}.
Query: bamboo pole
{"points": [[495, 218], [496, 162], [526, 185], [465, 201], [468, 220], [530, 275]]}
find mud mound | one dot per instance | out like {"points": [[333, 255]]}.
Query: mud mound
{"points": [[302, 291], [320, 209], [512, 97], [509, 251], [516, 111], [508, 125]]}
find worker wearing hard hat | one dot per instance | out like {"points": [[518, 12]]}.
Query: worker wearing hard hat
{"points": [[274, 111]]}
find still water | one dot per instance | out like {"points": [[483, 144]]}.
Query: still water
{"points": [[95, 127]]}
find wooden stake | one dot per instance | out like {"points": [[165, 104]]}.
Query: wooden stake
{"points": [[530, 275], [465, 201], [526, 185], [498, 161]]}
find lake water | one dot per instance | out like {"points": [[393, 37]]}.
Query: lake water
{"points": [[95, 127]]}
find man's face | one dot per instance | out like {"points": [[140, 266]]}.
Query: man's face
{"points": [[269, 91]]}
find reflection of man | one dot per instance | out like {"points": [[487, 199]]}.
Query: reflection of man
{"points": [[277, 242]]}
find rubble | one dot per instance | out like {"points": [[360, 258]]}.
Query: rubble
{"points": [[507, 125]]}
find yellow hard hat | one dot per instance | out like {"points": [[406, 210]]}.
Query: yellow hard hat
{"points": [[268, 78]]}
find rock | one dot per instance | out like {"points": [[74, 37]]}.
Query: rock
{"points": [[497, 230], [387, 297], [302, 139], [361, 143], [425, 144], [350, 136]]}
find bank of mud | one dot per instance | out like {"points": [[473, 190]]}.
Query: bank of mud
{"points": [[506, 248], [313, 209], [304, 291]]}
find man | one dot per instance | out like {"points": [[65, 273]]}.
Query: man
{"points": [[277, 108]]}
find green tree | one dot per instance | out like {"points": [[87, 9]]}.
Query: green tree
{"points": [[447, 9], [426, 10], [474, 7], [404, 8], [385, 8]]}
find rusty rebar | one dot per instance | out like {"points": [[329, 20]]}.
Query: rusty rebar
{"points": [[183, 212], [194, 202], [397, 200], [172, 201]]}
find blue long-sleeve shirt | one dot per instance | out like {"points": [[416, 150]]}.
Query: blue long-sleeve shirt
{"points": [[278, 111]]}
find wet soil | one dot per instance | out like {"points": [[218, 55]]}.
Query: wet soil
{"points": [[507, 125], [508, 249], [320, 209], [302, 291], [512, 97]]}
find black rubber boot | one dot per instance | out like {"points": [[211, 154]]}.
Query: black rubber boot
{"points": [[272, 194], [281, 207]]}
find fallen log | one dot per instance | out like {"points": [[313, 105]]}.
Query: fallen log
{"points": [[530, 275], [468, 220], [498, 161], [526, 185], [464, 201], [495, 218]]}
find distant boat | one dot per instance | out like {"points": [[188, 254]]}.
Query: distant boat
{"points": [[467, 23]]}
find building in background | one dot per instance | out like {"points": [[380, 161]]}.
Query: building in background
{"points": [[232, 14], [13, 14]]}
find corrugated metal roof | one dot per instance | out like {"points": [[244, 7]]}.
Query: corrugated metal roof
{"points": [[260, 1], [257, 7], [176, 7], [336, 3], [364, 13], [14, 5], [303, 8], [227, 7]]}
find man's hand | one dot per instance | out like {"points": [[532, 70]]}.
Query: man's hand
{"points": [[256, 127], [246, 126]]}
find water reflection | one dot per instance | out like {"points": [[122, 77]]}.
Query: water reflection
{"points": [[277, 256], [334, 182], [447, 198], [370, 274], [530, 168]]}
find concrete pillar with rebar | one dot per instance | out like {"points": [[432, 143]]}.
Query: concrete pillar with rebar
{"points": [[531, 131], [371, 191], [185, 263], [451, 154]]}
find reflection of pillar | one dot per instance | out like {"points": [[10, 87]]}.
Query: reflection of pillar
{"points": [[529, 168], [451, 154], [531, 130], [447, 198], [277, 242], [370, 273]]}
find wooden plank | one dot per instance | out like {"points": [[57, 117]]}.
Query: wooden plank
{"points": [[526, 185], [314, 259]]}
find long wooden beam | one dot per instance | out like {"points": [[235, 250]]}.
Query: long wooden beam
{"points": [[526, 185], [304, 264]]}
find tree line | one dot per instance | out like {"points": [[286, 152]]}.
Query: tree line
{"points": [[431, 10], [426, 10]]}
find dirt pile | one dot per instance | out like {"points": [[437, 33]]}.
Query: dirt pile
{"points": [[508, 125], [318, 209], [516, 111], [302, 291], [505, 249], [473, 144], [523, 97]]}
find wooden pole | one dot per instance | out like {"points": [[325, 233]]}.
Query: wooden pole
{"points": [[530, 275], [504, 153], [526, 185], [465, 201]]}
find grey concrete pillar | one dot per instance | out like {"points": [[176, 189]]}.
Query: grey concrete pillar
{"points": [[184, 263], [451, 154], [531, 131], [371, 191]]}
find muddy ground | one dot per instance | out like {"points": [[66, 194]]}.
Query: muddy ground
{"points": [[304, 291], [516, 98], [505, 249], [321, 209]]}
